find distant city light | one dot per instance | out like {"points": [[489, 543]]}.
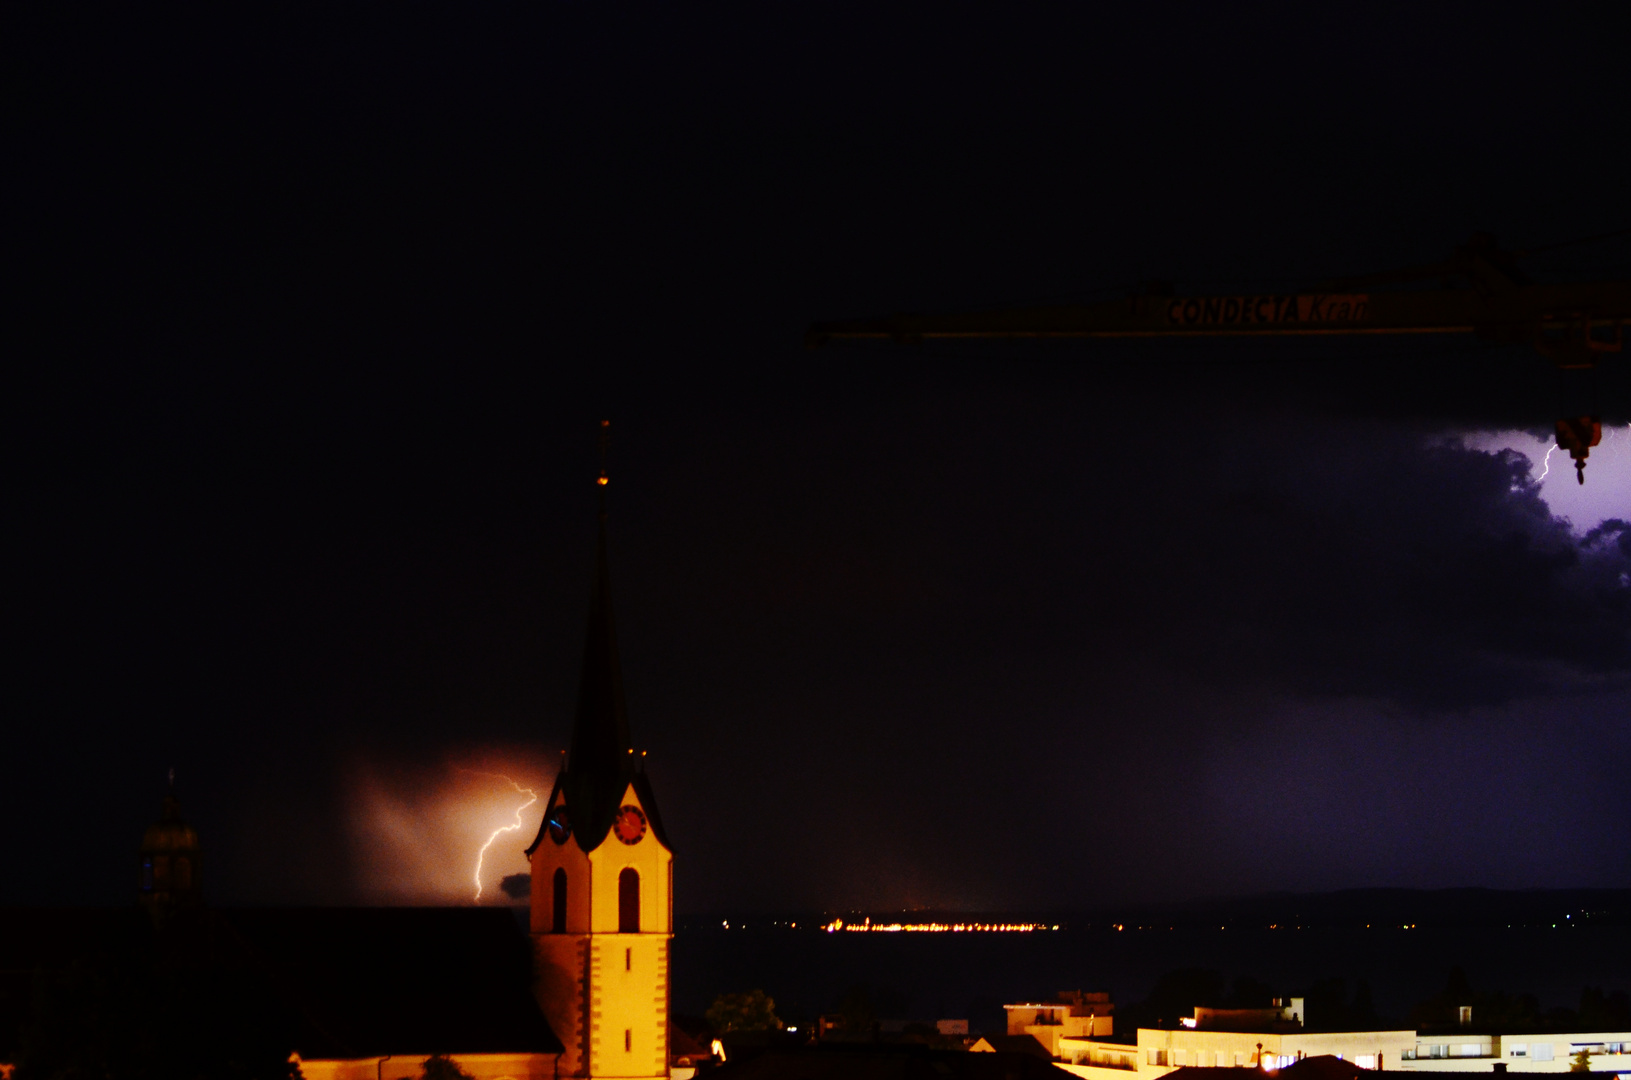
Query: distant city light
{"points": [[868, 926]]}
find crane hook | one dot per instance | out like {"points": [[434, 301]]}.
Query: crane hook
{"points": [[1578, 435]]}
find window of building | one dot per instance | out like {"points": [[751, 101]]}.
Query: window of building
{"points": [[1469, 1050], [1158, 1057], [558, 914], [628, 1037], [1180, 1057], [1221, 1060], [628, 901], [1240, 1058], [1541, 1052], [1517, 1049], [628, 959]]}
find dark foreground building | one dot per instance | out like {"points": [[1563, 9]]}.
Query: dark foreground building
{"points": [[234, 993]]}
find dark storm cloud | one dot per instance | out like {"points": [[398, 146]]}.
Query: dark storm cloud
{"points": [[1318, 555], [1433, 575]]}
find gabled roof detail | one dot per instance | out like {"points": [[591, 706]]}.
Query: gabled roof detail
{"points": [[549, 804], [648, 800]]}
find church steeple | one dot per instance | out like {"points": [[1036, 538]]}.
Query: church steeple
{"points": [[599, 765], [603, 878]]}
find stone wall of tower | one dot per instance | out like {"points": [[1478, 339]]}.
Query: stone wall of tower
{"points": [[561, 984], [628, 1005]]}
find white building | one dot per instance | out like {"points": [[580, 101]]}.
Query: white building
{"points": [[1271, 1039]]}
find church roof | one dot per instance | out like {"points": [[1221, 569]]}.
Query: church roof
{"points": [[1016, 1044], [371, 981], [35, 940], [327, 982]]}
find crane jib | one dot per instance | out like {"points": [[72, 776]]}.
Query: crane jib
{"points": [[1273, 310]]}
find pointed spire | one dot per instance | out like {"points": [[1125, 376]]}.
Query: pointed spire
{"points": [[599, 765]]}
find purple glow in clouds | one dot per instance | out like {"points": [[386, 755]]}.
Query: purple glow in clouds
{"points": [[1606, 494]]}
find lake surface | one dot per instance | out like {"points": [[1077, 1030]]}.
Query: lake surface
{"points": [[971, 975]]}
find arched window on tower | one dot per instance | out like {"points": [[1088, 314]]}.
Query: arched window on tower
{"points": [[559, 914], [628, 901]]}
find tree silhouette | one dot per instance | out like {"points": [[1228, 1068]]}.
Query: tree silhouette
{"points": [[442, 1067], [752, 1011]]}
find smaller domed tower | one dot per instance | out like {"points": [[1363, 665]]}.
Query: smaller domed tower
{"points": [[170, 863]]}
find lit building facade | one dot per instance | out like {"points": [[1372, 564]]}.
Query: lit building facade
{"points": [[1229, 1038], [410, 1067], [1610, 1051], [1072, 1018]]}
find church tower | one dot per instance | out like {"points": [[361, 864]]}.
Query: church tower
{"points": [[602, 881]]}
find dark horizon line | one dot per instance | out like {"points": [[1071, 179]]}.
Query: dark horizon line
{"points": [[1606, 905], [1601, 902]]}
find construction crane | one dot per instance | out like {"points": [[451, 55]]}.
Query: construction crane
{"points": [[1481, 291]]}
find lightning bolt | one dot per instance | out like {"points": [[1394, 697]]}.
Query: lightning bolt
{"points": [[481, 856], [1548, 462]]}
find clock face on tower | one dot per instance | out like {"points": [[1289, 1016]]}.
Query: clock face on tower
{"points": [[630, 825], [560, 824]]}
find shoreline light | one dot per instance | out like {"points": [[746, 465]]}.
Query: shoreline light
{"points": [[868, 926]]}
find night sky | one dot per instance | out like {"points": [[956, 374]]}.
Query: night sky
{"points": [[313, 319]]}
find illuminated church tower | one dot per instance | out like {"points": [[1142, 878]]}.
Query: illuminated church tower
{"points": [[602, 881]]}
